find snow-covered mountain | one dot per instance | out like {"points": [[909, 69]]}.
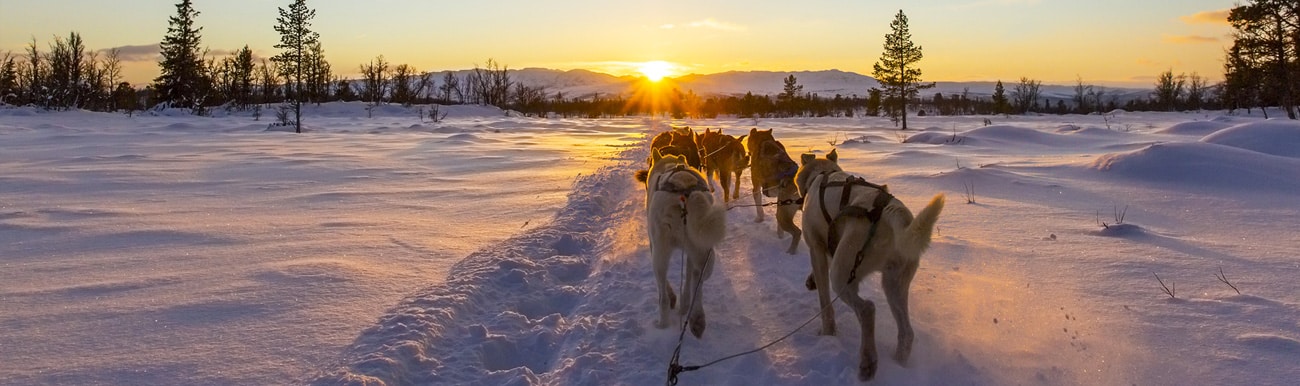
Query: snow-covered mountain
{"points": [[825, 83]]}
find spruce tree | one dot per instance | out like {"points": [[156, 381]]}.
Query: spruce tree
{"points": [[1000, 104], [182, 61], [900, 79], [296, 41]]}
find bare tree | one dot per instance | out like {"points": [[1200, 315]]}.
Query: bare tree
{"points": [[1026, 94], [1170, 89], [375, 80], [403, 87], [450, 86], [1197, 88], [1082, 93]]}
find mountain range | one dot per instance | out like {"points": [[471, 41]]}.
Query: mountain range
{"points": [[826, 83]]}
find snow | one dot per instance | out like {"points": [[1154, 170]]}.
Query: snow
{"points": [[495, 249]]}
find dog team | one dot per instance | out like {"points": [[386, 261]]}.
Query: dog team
{"points": [[852, 227]]}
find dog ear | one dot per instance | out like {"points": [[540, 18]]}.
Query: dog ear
{"points": [[884, 188], [656, 156], [753, 131], [806, 158], [742, 138], [833, 157]]}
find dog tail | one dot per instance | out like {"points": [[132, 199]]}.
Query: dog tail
{"points": [[706, 222], [916, 239], [642, 175]]}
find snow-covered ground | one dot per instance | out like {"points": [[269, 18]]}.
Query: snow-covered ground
{"points": [[488, 249]]}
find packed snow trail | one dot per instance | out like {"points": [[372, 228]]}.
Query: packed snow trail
{"points": [[549, 307]]}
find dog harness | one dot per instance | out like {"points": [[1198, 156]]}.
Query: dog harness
{"points": [[780, 160], [684, 192], [874, 214]]}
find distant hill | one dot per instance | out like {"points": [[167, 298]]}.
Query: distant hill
{"points": [[825, 83]]}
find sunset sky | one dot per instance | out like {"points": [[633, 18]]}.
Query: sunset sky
{"points": [[1107, 42]]}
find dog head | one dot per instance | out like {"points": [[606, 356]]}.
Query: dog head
{"points": [[810, 166], [663, 163], [757, 138]]}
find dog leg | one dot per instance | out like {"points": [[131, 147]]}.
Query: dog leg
{"points": [[866, 312], [735, 193], [817, 254], [697, 321], [667, 300], [724, 179], [896, 280], [842, 267], [785, 222], [758, 202]]}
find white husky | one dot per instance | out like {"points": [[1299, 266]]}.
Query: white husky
{"points": [[862, 229], [680, 214]]}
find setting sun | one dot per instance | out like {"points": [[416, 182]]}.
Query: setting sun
{"points": [[656, 70]]}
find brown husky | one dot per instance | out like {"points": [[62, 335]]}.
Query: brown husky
{"points": [[772, 172], [853, 228], [678, 141], [724, 155]]}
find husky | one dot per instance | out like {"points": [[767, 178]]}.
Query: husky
{"points": [[723, 156], [772, 173], [679, 141], [680, 214], [853, 228]]}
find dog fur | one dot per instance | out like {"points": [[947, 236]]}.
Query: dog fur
{"points": [[679, 141], [894, 250], [681, 215], [724, 155], [772, 172]]}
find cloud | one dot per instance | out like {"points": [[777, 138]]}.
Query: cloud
{"points": [[150, 53], [668, 26], [1188, 39], [1207, 17], [141, 53]]}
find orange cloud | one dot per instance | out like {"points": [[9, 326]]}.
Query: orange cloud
{"points": [[1207, 17], [1188, 39]]}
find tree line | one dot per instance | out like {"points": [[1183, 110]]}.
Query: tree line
{"points": [[1260, 70]]}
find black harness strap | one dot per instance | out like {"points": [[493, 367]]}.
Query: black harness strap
{"points": [[873, 215], [698, 187]]}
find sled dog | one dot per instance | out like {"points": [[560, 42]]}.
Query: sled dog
{"points": [[679, 141], [724, 155], [772, 173], [681, 215], [853, 228]]}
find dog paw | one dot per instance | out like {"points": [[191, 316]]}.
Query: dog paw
{"points": [[866, 370], [661, 324], [697, 325], [809, 283], [793, 250], [901, 356], [826, 331]]}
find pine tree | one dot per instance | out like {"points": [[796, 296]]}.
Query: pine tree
{"points": [[182, 66], [789, 98], [242, 68], [1000, 104], [8, 79], [896, 71], [296, 41]]}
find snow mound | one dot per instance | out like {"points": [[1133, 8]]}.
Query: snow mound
{"points": [[1205, 165], [1280, 138], [1194, 128]]}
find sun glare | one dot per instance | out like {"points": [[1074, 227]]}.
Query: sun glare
{"points": [[656, 70]]}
